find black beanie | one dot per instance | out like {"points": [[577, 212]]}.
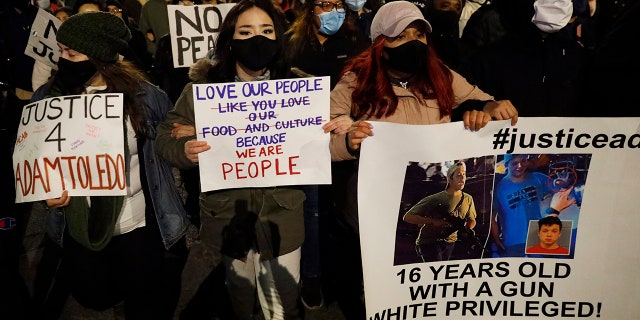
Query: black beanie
{"points": [[99, 35]]}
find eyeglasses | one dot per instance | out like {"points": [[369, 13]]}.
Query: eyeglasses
{"points": [[327, 6], [115, 11]]}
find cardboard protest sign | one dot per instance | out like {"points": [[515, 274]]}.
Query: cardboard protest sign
{"points": [[42, 44], [194, 30], [594, 159], [263, 133], [73, 143]]}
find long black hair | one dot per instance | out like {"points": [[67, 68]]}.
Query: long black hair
{"points": [[224, 69]]}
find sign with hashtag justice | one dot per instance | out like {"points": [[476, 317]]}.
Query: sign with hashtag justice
{"points": [[550, 203]]}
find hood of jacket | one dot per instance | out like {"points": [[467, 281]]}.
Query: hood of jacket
{"points": [[198, 72]]}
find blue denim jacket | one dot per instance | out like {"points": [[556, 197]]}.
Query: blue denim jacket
{"points": [[167, 203]]}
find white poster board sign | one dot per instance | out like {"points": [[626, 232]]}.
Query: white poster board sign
{"points": [[263, 133], [73, 143], [194, 30], [597, 280], [42, 44]]}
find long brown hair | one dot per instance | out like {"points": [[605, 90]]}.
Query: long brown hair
{"points": [[302, 31], [124, 77], [374, 96]]}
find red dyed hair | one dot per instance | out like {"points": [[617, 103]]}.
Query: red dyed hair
{"points": [[374, 96]]}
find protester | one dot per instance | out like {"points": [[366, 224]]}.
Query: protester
{"points": [[88, 5], [63, 13], [322, 39], [154, 22], [469, 7], [483, 27], [41, 71], [400, 79], [255, 232], [128, 248], [163, 73], [444, 17], [48, 301], [319, 43], [538, 63], [137, 51], [132, 8], [417, 87]]}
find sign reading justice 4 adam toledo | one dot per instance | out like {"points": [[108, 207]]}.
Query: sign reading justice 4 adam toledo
{"points": [[263, 133], [73, 143]]}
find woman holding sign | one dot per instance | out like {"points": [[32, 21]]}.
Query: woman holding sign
{"points": [[319, 43], [401, 79], [115, 249], [255, 232]]}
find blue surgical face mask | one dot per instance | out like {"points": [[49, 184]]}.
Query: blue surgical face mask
{"points": [[355, 5], [330, 22]]}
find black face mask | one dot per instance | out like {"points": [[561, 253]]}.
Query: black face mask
{"points": [[408, 58], [72, 76], [515, 15], [255, 53], [444, 22]]}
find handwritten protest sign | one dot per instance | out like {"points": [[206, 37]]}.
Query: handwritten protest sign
{"points": [[596, 280], [194, 30], [73, 143], [42, 44], [263, 133]]}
